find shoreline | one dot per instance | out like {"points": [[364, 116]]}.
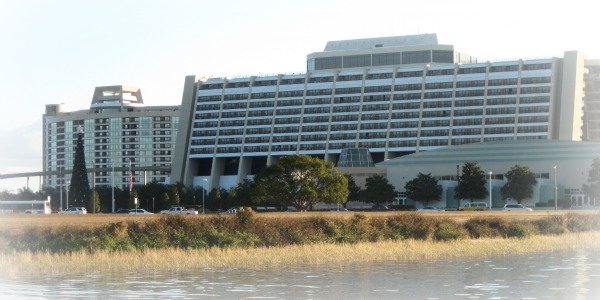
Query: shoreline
{"points": [[173, 259]]}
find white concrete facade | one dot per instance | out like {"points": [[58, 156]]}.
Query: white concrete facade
{"points": [[235, 127], [119, 131]]}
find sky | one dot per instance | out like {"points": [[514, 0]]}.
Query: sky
{"points": [[58, 51]]}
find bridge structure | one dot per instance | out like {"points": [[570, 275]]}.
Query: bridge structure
{"points": [[41, 174]]}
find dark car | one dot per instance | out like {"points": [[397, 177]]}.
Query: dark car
{"points": [[122, 211]]}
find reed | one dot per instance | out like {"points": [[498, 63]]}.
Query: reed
{"points": [[176, 259], [249, 230]]}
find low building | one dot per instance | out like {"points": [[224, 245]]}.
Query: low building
{"points": [[572, 159]]}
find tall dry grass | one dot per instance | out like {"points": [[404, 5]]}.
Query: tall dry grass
{"points": [[173, 259]]}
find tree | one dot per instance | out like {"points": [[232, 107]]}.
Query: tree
{"points": [[519, 185], [300, 181], [592, 188], [79, 189], [353, 189], [95, 202], [471, 184], [378, 190], [240, 195], [174, 195], [423, 188]]}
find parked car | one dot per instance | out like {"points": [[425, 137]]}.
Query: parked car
{"points": [[430, 209], [178, 210], [139, 211], [380, 207], [232, 210], [475, 206], [74, 211], [516, 207], [122, 211]]}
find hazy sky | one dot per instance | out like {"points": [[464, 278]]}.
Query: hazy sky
{"points": [[58, 51]]}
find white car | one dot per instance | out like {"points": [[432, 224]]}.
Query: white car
{"points": [[74, 211], [429, 209], [139, 211], [516, 207]]}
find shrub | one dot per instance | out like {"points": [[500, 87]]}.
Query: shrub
{"points": [[245, 216], [579, 222], [551, 225], [411, 226], [447, 230], [485, 228], [519, 230]]}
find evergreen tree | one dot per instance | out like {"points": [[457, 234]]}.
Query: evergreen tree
{"points": [[423, 188], [79, 189], [471, 184], [378, 190], [174, 195], [520, 182], [592, 189], [353, 189]]}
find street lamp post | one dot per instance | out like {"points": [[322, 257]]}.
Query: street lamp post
{"points": [[555, 190], [93, 186], [112, 183], [68, 182], [203, 190], [490, 173]]}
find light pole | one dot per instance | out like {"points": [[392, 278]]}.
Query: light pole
{"points": [[203, 190], [60, 183], [93, 186], [112, 183], [555, 190], [490, 173], [68, 182]]}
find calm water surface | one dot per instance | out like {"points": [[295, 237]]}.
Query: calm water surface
{"points": [[563, 275]]}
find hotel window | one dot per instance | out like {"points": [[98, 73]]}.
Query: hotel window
{"points": [[466, 122], [416, 57], [328, 63], [242, 84], [286, 81], [211, 86], [443, 56], [403, 134], [470, 83], [438, 85], [473, 70], [379, 75], [320, 79], [537, 66], [209, 98], [511, 68], [405, 115], [534, 99], [535, 90], [378, 89], [353, 61], [384, 59]]}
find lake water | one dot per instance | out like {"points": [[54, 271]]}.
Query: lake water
{"points": [[563, 275]]}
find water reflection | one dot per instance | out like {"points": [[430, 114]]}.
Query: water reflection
{"points": [[542, 276]]}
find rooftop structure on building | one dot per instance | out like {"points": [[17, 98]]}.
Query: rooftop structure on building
{"points": [[120, 134]]}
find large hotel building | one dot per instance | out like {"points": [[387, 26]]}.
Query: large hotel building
{"points": [[120, 134], [393, 96]]}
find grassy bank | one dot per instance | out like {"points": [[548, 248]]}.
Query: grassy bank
{"points": [[249, 230], [287, 256]]}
